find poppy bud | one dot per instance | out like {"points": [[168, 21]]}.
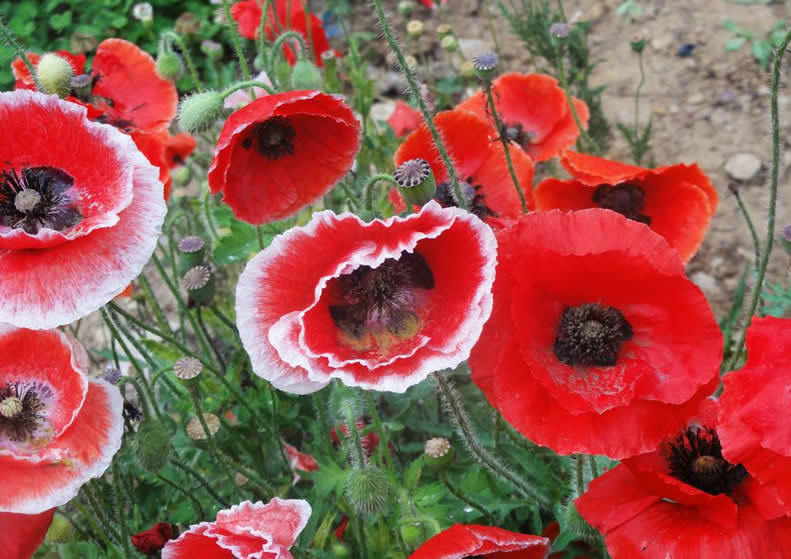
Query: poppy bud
{"points": [[181, 175], [143, 11], [368, 490], [449, 43], [340, 550], [637, 43], [211, 49], [54, 75], [438, 453], [152, 445], [574, 523], [415, 181], [169, 65], [154, 539], [406, 7], [192, 251], [467, 69], [60, 531], [199, 283], [485, 65], [200, 110], [414, 534], [305, 75], [414, 29]]}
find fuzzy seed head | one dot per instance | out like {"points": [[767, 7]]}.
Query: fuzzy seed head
{"points": [[152, 446], [54, 75]]}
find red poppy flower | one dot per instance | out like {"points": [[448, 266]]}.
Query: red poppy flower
{"points": [[79, 217], [754, 403], [165, 152], [58, 428], [479, 162], [534, 112], [404, 119], [597, 343], [341, 529], [153, 539], [247, 15], [245, 531], [281, 152], [22, 534], [677, 201], [464, 540], [299, 461], [378, 305], [686, 500]]}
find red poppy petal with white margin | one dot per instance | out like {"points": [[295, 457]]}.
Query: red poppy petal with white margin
{"points": [[128, 76], [463, 540], [193, 545], [102, 177], [21, 534], [44, 357], [83, 452], [57, 285], [290, 325]]}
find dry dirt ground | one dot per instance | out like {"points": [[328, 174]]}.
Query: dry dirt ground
{"points": [[705, 108]]}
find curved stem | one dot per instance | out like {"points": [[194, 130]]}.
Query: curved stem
{"points": [[415, 89], [195, 503], [384, 438], [201, 480], [244, 84], [770, 227], [173, 36], [637, 93], [205, 331], [277, 47], [462, 497], [358, 454], [237, 43], [119, 511], [369, 187], [207, 214], [750, 225], [487, 86]]}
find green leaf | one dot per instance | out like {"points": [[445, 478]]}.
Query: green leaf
{"points": [[735, 43], [240, 244], [78, 550], [60, 21], [412, 473], [761, 51], [162, 352], [332, 479]]}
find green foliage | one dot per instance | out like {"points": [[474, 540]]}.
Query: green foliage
{"points": [[760, 46]]}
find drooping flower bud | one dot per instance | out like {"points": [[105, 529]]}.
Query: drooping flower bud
{"points": [[414, 29], [415, 181], [199, 111], [152, 445], [211, 49], [485, 65], [406, 7], [169, 65], [305, 75], [449, 43], [54, 74], [368, 490]]}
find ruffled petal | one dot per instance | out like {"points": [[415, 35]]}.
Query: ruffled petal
{"points": [[463, 540]]}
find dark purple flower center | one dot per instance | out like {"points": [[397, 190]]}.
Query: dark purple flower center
{"points": [[20, 412], [273, 138], [515, 132], [37, 197], [695, 457], [473, 196], [382, 299], [591, 335], [627, 199]]}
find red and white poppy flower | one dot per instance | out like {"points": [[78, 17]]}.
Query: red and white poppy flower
{"points": [[58, 428], [466, 540], [281, 152], [379, 305], [80, 211], [245, 531]]}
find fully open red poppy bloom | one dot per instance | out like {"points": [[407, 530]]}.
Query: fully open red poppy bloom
{"points": [[281, 152], [677, 201], [404, 119], [534, 112], [22, 534], [598, 343], [378, 305], [247, 15], [123, 88], [464, 540], [153, 539], [79, 216], [685, 500], [479, 162], [245, 531], [755, 402], [58, 428]]}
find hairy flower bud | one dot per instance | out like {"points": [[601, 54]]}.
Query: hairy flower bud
{"points": [[368, 490], [305, 75], [152, 445], [54, 75], [169, 65], [199, 111]]}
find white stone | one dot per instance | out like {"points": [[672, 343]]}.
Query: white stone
{"points": [[743, 166]]}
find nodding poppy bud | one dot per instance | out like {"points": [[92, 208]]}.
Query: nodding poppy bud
{"points": [[169, 65], [192, 251], [340, 550], [438, 453], [406, 7], [449, 43], [199, 283], [485, 65], [414, 29], [415, 181], [368, 490], [152, 445], [54, 75], [305, 75], [211, 49], [199, 111]]}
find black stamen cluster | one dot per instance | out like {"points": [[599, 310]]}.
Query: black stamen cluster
{"points": [[381, 295], [273, 138], [695, 458], [591, 335], [22, 425], [476, 200], [516, 133], [54, 210], [626, 199]]}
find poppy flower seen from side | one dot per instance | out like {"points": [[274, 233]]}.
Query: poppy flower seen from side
{"points": [[472, 540], [676, 201], [79, 217], [58, 428], [22, 534], [378, 305], [154, 539], [479, 162], [281, 152], [598, 343], [685, 499], [404, 119], [534, 113], [754, 401], [245, 531]]}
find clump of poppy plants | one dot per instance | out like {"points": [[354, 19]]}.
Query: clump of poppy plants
{"points": [[309, 332]]}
